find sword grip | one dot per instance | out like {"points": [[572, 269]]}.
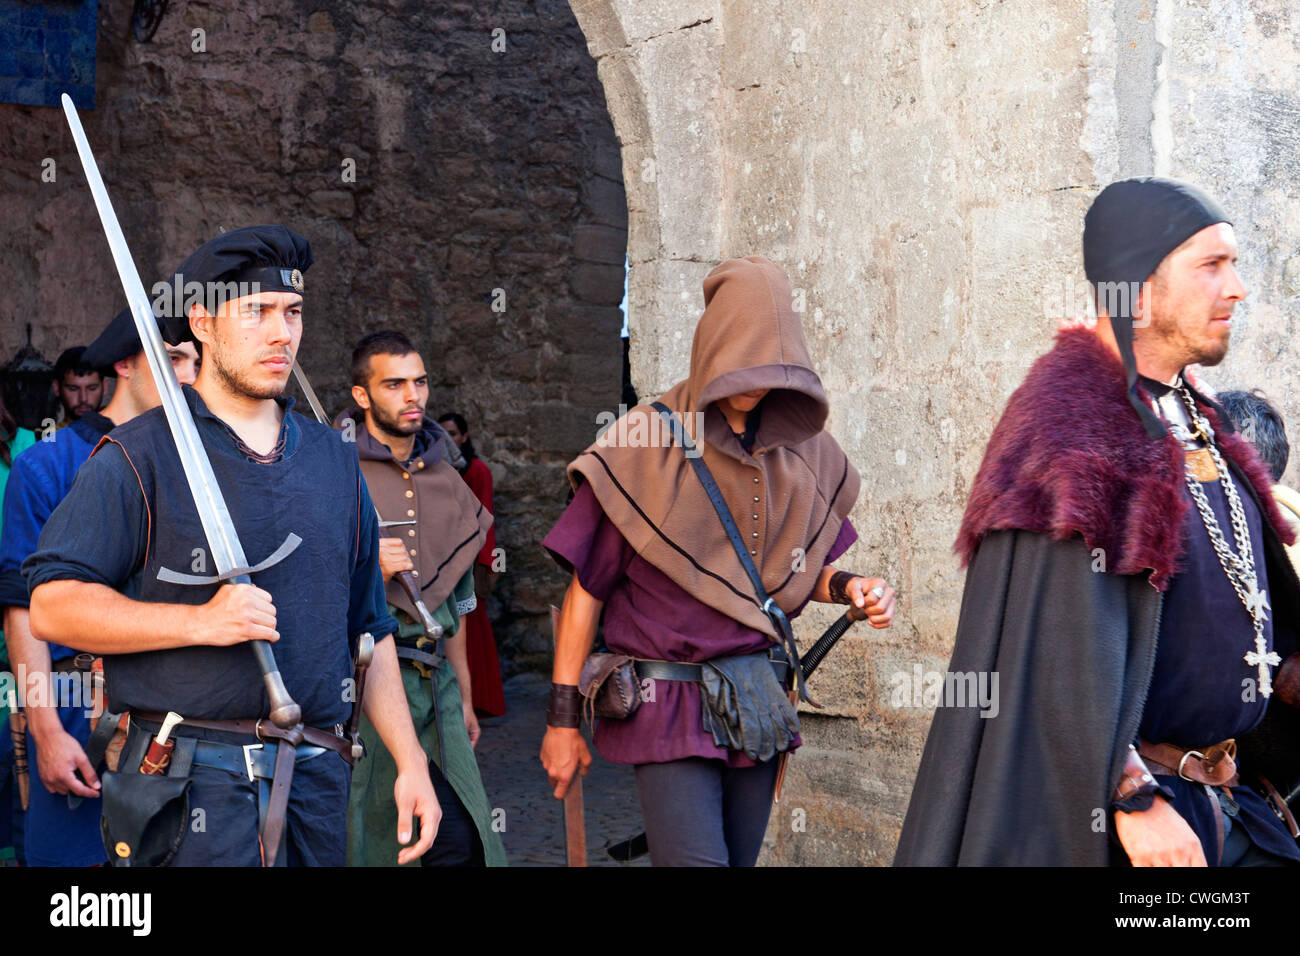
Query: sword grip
{"points": [[432, 629], [824, 644], [285, 713]]}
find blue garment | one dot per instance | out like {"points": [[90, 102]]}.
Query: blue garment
{"points": [[1199, 693], [130, 514], [39, 479]]}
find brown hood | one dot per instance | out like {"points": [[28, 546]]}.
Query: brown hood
{"points": [[789, 497]]}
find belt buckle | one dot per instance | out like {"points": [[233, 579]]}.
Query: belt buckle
{"points": [[1190, 753], [421, 642], [248, 758]]}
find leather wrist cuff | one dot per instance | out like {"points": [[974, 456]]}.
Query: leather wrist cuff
{"points": [[1286, 682], [1135, 778], [838, 584], [565, 706]]}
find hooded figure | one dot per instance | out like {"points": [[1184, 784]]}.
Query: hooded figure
{"points": [[643, 540]]}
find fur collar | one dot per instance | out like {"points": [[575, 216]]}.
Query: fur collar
{"points": [[1070, 457]]}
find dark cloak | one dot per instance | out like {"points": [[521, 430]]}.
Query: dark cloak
{"points": [[1070, 468]]}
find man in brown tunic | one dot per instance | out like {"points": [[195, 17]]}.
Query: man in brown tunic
{"points": [[435, 528]]}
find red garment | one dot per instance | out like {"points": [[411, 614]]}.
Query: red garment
{"points": [[480, 642]]}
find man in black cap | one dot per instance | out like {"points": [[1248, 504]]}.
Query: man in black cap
{"points": [[113, 576], [77, 385], [59, 834], [1127, 583]]}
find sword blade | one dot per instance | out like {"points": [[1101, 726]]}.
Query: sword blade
{"points": [[317, 408], [218, 528], [227, 552]]}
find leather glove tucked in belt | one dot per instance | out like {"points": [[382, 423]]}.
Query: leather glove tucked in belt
{"points": [[745, 707]]}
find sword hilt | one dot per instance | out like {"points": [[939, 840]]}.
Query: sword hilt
{"points": [[432, 629], [285, 713]]}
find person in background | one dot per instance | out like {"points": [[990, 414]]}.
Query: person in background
{"points": [[57, 833], [481, 645], [1261, 424], [77, 385], [13, 440]]}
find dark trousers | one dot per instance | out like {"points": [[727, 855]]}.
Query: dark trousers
{"points": [[457, 842], [700, 812]]}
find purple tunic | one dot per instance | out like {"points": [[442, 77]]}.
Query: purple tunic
{"points": [[649, 616]]}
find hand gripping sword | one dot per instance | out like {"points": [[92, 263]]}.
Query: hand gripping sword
{"points": [[227, 552]]}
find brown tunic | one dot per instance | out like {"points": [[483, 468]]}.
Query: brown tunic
{"points": [[451, 524]]}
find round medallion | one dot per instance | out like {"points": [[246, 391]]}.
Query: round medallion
{"points": [[295, 279]]}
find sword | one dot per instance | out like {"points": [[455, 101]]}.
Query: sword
{"points": [[575, 826], [227, 552]]}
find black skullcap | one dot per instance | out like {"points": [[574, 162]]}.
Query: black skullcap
{"points": [[118, 341], [227, 266], [1129, 229]]}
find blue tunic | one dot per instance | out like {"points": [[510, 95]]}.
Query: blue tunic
{"points": [[1202, 691], [130, 514], [40, 478]]}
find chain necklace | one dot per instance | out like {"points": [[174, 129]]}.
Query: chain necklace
{"points": [[1239, 566]]}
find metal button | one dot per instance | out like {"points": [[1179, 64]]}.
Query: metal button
{"points": [[410, 494], [755, 499], [419, 464], [411, 533], [405, 475], [755, 480], [752, 551], [755, 534], [413, 552], [410, 513], [755, 517]]}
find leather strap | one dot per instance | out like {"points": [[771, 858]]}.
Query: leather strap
{"points": [[263, 729], [97, 747], [1217, 813], [769, 606], [273, 831], [678, 670], [1215, 766]]}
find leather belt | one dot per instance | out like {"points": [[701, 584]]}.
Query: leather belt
{"points": [[678, 670], [252, 759], [78, 662], [1214, 767]]}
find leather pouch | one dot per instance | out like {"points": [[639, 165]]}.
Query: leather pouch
{"points": [[145, 816], [609, 686]]}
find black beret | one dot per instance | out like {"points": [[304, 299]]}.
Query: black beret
{"points": [[227, 266], [120, 340]]}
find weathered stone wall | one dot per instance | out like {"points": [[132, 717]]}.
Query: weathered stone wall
{"points": [[476, 169], [922, 173]]}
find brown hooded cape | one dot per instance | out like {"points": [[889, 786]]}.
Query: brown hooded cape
{"points": [[789, 497], [452, 524]]}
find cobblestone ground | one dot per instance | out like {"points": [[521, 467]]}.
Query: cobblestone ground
{"points": [[515, 782]]}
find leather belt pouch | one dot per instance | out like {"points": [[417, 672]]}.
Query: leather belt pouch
{"points": [[745, 708], [609, 686], [145, 816]]}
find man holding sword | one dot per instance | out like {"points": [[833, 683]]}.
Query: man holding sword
{"points": [[123, 570]]}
